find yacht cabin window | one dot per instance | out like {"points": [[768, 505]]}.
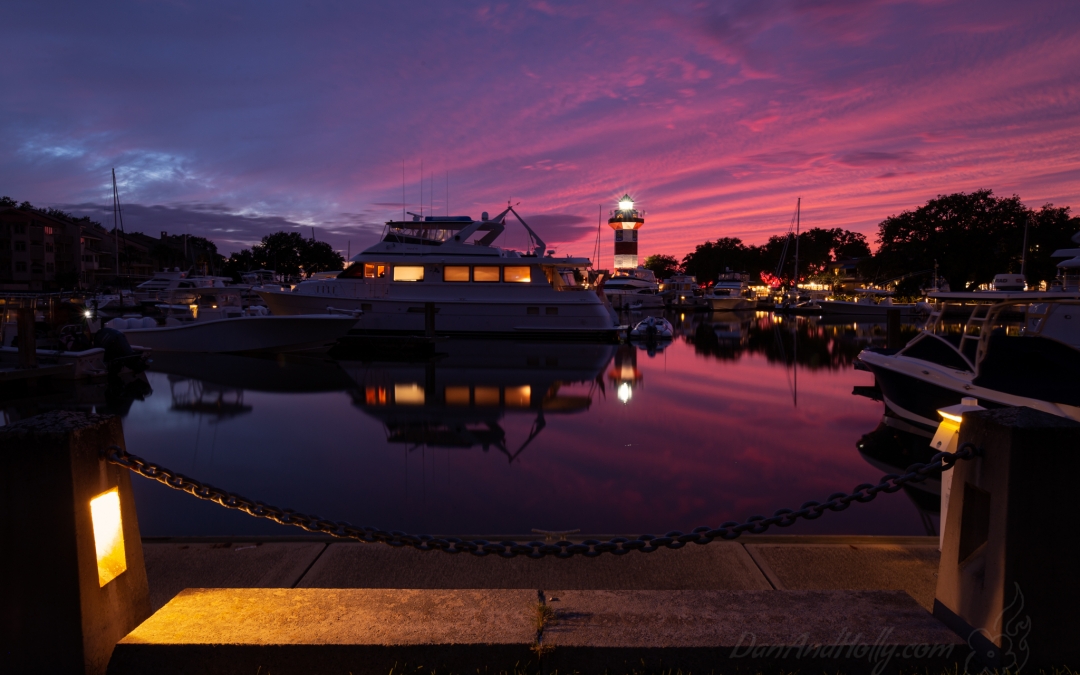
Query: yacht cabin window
{"points": [[456, 273], [486, 273], [374, 271], [516, 273], [408, 272]]}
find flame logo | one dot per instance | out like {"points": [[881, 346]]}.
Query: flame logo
{"points": [[1013, 653]]}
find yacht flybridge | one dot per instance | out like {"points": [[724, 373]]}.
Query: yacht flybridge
{"points": [[450, 265]]}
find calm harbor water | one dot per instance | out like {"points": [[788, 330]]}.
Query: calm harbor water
{"points": [[742, 414]]}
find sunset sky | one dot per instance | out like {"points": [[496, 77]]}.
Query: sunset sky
{"points": [[232, 120]]}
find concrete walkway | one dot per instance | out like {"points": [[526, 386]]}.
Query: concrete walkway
{"points": [[822, 563]]}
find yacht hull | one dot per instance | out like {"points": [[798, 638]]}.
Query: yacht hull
{"points": [[581, 317], [245, 334], [916, 391]]}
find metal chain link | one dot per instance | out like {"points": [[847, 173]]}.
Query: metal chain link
{"points": [[838, 501]]}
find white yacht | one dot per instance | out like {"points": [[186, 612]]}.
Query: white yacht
{"points": [[731, 292], [448, 269], [634, 289], [175, 287], [681, 291]]}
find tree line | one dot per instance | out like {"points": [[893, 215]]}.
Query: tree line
{"points": [[971, 237]]}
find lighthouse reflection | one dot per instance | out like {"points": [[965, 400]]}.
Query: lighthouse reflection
{"points": [[459, 399]]}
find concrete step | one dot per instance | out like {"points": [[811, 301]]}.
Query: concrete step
{"points": [[378, 631]]}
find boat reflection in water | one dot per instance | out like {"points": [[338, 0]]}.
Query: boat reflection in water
{"points": [[894, 446], [213, 385], [104, 396], [459, 398], [810, 342]]}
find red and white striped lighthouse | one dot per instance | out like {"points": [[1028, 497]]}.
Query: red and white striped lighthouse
{"points": [[626, 221]]}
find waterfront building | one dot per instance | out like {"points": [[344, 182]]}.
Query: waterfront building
{"points": [[626, 221]]}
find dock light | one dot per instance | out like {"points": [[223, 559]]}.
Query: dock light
{"points": [[108, 535], [89, 313], [626, 204], [625, 392], [945, 440]]}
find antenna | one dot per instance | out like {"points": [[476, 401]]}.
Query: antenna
{"points": [[1023, 254], [421, 189], [403, 189], [448, 193]]}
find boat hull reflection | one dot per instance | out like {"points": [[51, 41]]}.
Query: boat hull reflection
{"points": [[459, 399]]}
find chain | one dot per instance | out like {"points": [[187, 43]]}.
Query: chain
{"points": [[838, 501]]}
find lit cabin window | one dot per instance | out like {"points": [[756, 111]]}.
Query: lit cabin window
{"points": [[519, 274], [408, 272], [485, 273], [374, 271], [486, 396], [456, 273], [518, 397], [457, 394], [408, 394]]}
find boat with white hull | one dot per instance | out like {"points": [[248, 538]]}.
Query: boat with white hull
{"points": [[217, 322], [634, 289], [434, 267], [245, 334], [1022, 350], [870, 304], [731, 292]]}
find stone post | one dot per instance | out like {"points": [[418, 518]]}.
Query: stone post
{"points": [[72, 579], [1007, 579]]}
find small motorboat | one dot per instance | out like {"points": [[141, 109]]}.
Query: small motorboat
{"points": [[217, 323], [653, 329]]}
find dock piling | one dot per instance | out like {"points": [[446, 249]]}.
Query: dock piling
{"points": [[429, 320], [892, 329], [1007, 577], [27, 338], [72, 578]]}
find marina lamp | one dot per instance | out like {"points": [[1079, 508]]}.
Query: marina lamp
{"points": [[948, 430], [108, 535], [945, 440]]}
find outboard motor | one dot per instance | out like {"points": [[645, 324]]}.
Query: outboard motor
{"points": [[118, 353]]}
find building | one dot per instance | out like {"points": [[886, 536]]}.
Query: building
{"points": [[626, 221], [39, 252]]}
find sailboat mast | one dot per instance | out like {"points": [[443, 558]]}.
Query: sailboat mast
{"points": [[798, 208], [1023, 253], [116, 228]]}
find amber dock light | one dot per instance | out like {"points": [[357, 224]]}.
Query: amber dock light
{"points": [[108, 535], [945, 440]]}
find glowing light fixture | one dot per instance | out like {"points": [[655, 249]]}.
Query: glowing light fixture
{"points": [[948, 431], [89, 314], [108, 535], [945, 440], [626, 204], [624, 392]]}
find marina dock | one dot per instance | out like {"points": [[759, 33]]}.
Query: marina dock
{"points": [[762, 563]]}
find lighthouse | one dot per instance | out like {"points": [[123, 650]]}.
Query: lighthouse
{"points": [[626, 221]]}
